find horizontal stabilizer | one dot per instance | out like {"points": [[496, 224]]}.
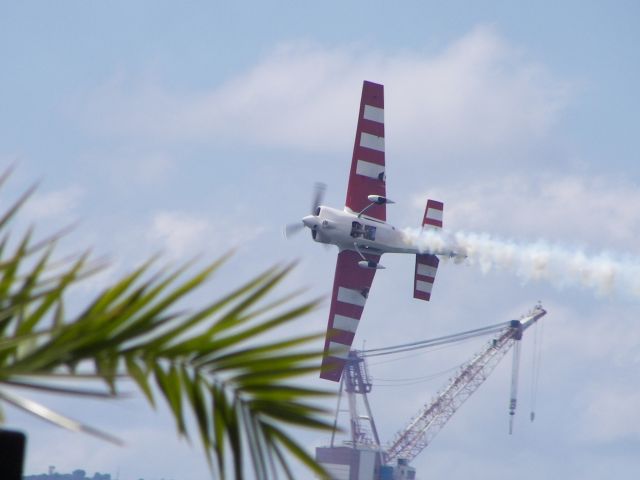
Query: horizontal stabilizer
{"points": [[425, 275], [427, 264]]}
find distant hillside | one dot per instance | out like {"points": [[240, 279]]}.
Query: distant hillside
{"points": [[76, 475]]}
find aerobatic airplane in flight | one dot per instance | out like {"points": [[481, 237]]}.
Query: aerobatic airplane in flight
{"points": [[362, 235]]}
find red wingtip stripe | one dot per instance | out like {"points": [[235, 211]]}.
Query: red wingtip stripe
{"points": [[427, 259], [425, 279], [435, 204], [340, 336], [433, 223], [373, 94], [433, 214], [331, 368], [421, 295], [374, 128], [425, 271]]}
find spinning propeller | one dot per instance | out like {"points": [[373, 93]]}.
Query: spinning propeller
{"points": [[310, 220]]}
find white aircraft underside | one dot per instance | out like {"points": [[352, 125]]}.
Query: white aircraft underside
{"points": [[348, 231]]}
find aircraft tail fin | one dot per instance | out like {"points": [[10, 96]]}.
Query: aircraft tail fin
{"points": [[433, 214], [427, 264]]}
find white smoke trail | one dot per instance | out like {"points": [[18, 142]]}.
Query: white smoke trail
{"points": [[561, 266]]}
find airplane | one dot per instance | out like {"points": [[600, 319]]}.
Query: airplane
{"points": [[362, 235]]}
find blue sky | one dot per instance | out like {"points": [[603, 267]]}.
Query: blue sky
{"points": [[195, 127]]}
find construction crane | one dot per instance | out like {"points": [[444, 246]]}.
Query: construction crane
{"points": [[363, 457]]}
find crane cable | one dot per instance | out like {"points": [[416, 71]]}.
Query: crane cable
{"points": [[442, 342], [535, 368], [402, 382], [419, 353], [457, 337]]}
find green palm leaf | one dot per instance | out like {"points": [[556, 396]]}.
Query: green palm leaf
{"points": [[225, 365]]}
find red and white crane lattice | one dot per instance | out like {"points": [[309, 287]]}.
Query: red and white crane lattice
{"points": [[425, 425]]}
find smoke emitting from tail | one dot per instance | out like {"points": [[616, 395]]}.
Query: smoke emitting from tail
{"points": [[603, 273]]}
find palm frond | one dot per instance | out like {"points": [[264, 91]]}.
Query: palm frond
{"points": [[225, 365], [49, 415]]}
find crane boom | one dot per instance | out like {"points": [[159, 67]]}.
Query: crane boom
{"points": [[363, 457], [411, 440]]}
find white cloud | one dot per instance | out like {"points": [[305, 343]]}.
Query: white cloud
{"points": [[477, 94], [612, 414], [59, 205], [615, 344], [567, 230], [179, 233], [183, 235], [132, 167], [149, 168], [599, 212]]}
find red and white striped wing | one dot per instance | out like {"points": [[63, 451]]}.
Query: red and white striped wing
{"points": [[427, 264], [425, 275], [433, 214], [350, 290], [367, 175]]}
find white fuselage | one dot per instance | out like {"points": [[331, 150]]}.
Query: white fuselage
{"points": [[349, 231]]}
